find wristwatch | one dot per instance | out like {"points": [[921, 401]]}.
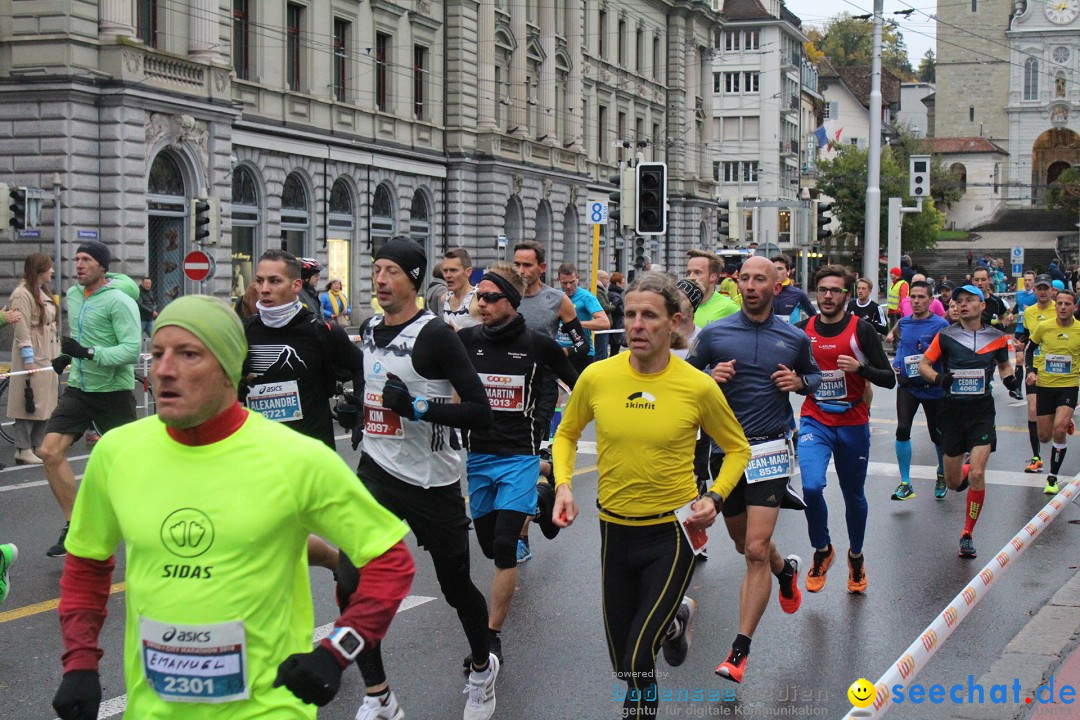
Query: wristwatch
{"points": [[420, 406], [347, 642], [717, 500], [90, 353]]}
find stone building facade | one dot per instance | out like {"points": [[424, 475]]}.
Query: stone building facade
{"points": [[326, 127]]}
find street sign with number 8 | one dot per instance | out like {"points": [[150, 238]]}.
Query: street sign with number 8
{"points": [[598, 213]]}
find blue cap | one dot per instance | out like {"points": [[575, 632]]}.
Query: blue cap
{"points": [[1058, 285], [968, 289]]}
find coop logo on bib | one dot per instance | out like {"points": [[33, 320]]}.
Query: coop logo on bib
{"points": [[504, 392]]}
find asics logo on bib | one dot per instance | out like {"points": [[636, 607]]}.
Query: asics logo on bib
{"points": [[185, 636], [187, 533]]}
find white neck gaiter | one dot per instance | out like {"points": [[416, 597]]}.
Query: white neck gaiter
{"points": [[279, 315]]}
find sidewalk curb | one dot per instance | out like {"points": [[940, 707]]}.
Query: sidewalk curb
{"points": [[1032, 656]]}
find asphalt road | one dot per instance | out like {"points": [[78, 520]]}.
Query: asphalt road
{"points": [[556, 658]]}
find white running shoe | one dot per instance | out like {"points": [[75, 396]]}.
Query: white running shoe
{"points": [[373, 709], [481, 691]]}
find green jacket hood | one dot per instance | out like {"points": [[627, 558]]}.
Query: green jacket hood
{"points": [[122, 282]]}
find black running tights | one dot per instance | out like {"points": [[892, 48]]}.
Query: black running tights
{"points": [[645, 571]]}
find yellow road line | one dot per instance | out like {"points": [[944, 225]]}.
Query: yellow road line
{"points": [[46, 606]]}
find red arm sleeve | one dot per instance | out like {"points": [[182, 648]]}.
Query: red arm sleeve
{"points": [[384, 583], [84, 595]]}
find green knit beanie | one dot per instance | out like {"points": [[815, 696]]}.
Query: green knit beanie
{"points": [[215, 324]]}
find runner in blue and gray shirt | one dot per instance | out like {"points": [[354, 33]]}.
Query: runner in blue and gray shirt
{"points": [[758, 359]]}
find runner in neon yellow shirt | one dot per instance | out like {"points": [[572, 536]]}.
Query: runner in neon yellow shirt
{"points": [[219, 613]]}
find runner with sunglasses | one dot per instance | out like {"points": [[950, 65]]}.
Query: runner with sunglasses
{"points": [[504, 460]]}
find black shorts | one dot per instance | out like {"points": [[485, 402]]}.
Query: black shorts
{"points": [[1050, 399], [767, 493], [435, 515], [78, 410], [967, 424]]}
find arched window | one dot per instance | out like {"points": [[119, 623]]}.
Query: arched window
{"points": [[341, 228], [245, 224], [382, 218], [419, 219], [570, 234], [165, 176], [295, 216], [1031, 79], [166, 225], [959, 173]]}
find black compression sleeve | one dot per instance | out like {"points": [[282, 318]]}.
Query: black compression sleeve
{"points": [[877, 370], [553, 357], [579, 346], [1029, 354], [439, 354], [807, 367]]}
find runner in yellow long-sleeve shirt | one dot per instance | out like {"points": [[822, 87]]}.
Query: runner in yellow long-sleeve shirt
{"points": [[648, 406]]}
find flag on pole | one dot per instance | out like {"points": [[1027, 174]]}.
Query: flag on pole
{"points": [[821, 136]]}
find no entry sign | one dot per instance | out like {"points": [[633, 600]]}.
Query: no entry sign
{"points": [[198, 265]]}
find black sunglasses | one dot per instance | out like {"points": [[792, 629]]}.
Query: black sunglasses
{"points": [[490, 297]]}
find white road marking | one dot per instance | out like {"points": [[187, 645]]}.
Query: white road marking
{"points": [[20, 486], [117, 705]]}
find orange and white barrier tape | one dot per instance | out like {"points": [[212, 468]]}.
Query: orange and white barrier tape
{"points": [[914, 659]]}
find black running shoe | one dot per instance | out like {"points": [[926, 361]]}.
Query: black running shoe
{"points": [[677, 647], [58, 550]]}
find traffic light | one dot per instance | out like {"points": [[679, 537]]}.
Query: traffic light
{"points": [[203, 225], [723, 220], [17, 208], [614, 203], [822, 221], [919, 176], [651, 205], [640, 258]]}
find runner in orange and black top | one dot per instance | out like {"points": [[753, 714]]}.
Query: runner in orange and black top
{"points": [[968, 352]]}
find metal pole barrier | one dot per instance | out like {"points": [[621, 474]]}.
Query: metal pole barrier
{"points": [[872, 225], [915, 657], [58, 275]]}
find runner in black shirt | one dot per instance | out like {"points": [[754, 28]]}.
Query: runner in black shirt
{"points": [[504, 460], [294, 357], [292, 363], [863, 307]]}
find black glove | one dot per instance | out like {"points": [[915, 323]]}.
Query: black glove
{"points": [[1011, 382], [396, 397], [70, 346], [79, 695], [357, 434], [348, 411], [902, 379], [313, 677], [60, 363], [944, 379]]}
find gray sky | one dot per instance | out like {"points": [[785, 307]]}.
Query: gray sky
{"points": [[918, 30]]}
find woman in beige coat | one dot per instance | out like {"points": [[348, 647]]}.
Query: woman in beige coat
{"points": [[35, 346]]}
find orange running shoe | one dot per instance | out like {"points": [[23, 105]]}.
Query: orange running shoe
{"points": [[733, 668], [815, 579], [790, 602], [856, 580]]}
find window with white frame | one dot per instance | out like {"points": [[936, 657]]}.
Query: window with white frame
{"points": [[750, 82], [732, 40], [731, 82], [752, 40], [1031, 79]]}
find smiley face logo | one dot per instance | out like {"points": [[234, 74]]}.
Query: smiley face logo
{"points": [[861, 693]]}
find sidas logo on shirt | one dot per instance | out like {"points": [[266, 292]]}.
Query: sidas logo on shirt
{"points": [[641, 401]]}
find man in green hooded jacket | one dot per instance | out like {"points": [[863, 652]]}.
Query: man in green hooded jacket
{"points": [[103, 348]]}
